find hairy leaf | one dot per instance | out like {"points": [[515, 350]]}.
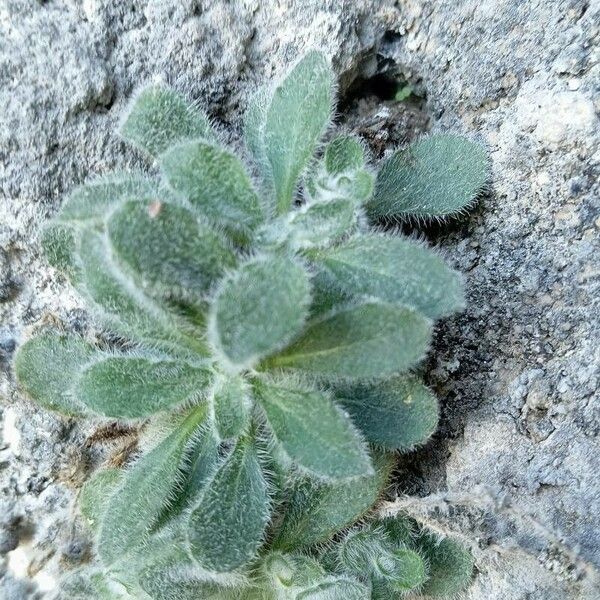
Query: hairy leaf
{"points": [[59, 244], [123, 307], [323, 222], [342, 173], [232, 406], [130, 387], [436, 176], [259, 308], [216, 183], [316, 511], [392, 570], [397, 413], [450, 565], [394, 269], [227, 525], [398, 572], [336, 588], [344, 153], [296, 119], [198, 467], [144, 492], [166, 247], [160, 117], [89, 204], [173, 575], [91, 583], [46, 367], [364, 341], [95, 494], [312, 430], [255, 121]]}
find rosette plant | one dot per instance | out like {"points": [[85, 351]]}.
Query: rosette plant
{"points": [[263, 332]]}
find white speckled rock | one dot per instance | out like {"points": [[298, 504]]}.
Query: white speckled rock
{"points": [[514, 466]]}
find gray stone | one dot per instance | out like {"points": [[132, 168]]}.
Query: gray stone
{"points": [[514, 467]]}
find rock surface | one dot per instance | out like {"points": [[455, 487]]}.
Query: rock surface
{"points": [[514, 467]]}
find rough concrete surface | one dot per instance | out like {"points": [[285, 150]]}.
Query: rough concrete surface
{"points": [[514, 467]]}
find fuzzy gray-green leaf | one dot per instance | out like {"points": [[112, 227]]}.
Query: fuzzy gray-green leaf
{"points": [[232, 406], [259, 308], [173, 575], [322, 222], [296, 119], [364, 341], [130, 387], [397, 413], [95, 494], [227, 525], [167, 248], [393, 269], [344, 153], [88, 204], [255, 121], [317, 510], [121, 306], [90, 583], [201, 458], [392, 570], [46, 367], [144, 492], [336, 588], [436, 176], [215, 182], [59, 245], [161, 117], [450, 565], [312, 430]]}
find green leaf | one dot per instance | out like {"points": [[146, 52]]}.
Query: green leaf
{"points": [[202, 464], [317, 510], [215, 182], [91, 583], [255, 121], [124, 308], [344, 153], [284, 572], [199, 466], [46, 367], [392, 570], [232, 406], [398, 413], [95, 494], [318, 224], [312, 430], [173, 575], [336, 588], [59, 245], [160, 117], [296, 119], [167, 248], [343, 173], [393, 269], [296, 576], [130, 387], [89, 204], [398, 572], [144, 492], [227, 526], [365, 341], [436, 176], [258, 309], [450, 565], [399, 529]]}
